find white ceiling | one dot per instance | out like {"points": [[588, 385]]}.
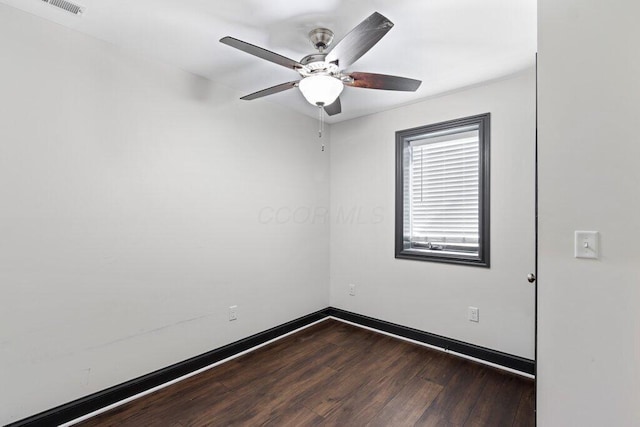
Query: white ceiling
{"points": [[448, 44]]}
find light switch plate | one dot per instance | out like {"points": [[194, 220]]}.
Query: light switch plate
{"points": [[587, 244]]}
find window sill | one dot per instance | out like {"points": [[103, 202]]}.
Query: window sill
{"points": [[417, 255]]}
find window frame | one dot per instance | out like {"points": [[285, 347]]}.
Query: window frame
{"points": [[403, 138]]}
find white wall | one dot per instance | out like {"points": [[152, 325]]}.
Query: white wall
{"points": [[432, 296], [130, 202], [589, 104]]}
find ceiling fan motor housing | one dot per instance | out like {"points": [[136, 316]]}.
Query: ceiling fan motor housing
{"points": [[321, 38]]}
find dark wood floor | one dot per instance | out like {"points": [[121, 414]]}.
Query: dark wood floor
{"points": [[339, 375]]}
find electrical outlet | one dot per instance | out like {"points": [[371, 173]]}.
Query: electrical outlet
{"points": [[352, 289], [233, 313], [474, 314]]}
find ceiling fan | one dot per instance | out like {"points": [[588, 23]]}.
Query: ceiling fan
{"points": [[323, 74]]}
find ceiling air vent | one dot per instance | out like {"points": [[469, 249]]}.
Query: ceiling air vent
{"points": [[66, 5]]}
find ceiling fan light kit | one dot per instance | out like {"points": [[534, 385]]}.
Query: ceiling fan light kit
{"points": [[321, 89], [323, 74]]}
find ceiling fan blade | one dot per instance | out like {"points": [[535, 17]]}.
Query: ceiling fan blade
{"points": [[270, 91], [359, 40], [383, 81], [335, 108], [261, 53]]}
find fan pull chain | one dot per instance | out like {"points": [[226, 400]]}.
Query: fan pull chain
{"points": [[321, 120]]}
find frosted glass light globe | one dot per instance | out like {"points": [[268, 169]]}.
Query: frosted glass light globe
{"points": [[321, 90]]}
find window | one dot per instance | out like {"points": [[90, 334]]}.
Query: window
{"points": [[442, 192]]}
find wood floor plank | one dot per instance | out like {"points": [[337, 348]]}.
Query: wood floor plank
{"points": [[297, 415], [262, 397], [363, 406], [261, 405], [525, 414], [168, 404], [408, 405], [354, 376], [458, 398], [335, 374], [256, 368], [441, 367], [343, 334], [502, 393]]}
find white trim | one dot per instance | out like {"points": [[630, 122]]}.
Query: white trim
{"points": [[433, 347], [184, 377]]}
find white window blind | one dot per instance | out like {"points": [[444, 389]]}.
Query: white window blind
{"points": [[443, 191]]}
